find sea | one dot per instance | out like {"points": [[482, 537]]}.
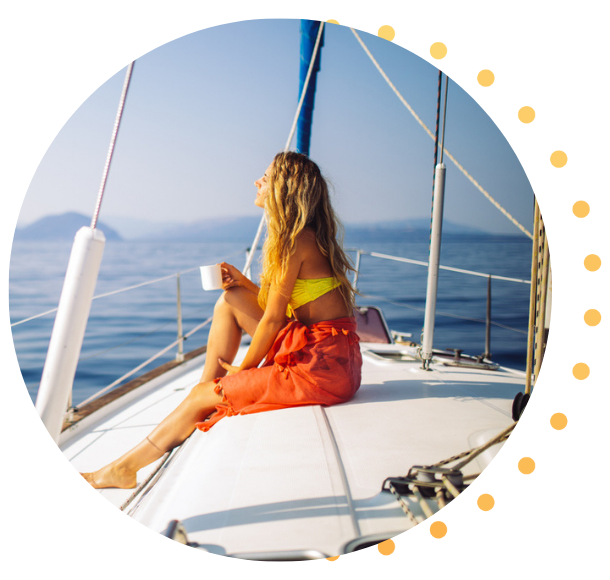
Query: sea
{"points": [[127, 328]]}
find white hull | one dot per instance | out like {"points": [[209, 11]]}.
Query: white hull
{"points": [[302, 482]]}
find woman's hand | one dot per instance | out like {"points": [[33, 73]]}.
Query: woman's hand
{"points": [[231, 370], [231, 276]]}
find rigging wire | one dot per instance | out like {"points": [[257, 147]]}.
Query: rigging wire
{"points": [[289, 140], [112, 292], [115, 131], [431, 135], [404, 305], [437, 126]]}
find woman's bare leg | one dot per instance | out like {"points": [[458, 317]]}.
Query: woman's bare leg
{"points": [[236, 310], [171, 432]]}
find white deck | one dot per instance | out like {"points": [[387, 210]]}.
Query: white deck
{"points": [[301, 479]]}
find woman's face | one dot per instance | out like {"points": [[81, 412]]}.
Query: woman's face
{"points": [[262, 186]]}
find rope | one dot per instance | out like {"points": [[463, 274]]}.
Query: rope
{"points": [[115, 130], [162, 463], [431, 135], [541, 298], [444, 483], [533, 295], [503, 436]]}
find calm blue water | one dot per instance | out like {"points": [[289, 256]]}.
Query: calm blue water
{"points": [[127, 328]]}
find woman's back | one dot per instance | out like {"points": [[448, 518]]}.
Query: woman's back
{"points": [[316, 266], [302, 244]]}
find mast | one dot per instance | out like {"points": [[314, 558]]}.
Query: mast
{"points": [[309, 33]]}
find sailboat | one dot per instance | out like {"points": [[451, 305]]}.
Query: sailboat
{"points": [[308, 482]]}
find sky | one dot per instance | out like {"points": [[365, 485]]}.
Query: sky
{"points": [[206, 113]]}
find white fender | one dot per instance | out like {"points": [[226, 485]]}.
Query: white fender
{"points": [[69, 328]]}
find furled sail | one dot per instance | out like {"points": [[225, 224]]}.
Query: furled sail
{"points": [[309, 33]]}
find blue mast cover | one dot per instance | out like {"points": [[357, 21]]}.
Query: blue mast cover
{"points": [[309, 33]]}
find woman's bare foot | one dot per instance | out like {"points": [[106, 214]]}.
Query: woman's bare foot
{"points": [[111, 476], [172, 431]]}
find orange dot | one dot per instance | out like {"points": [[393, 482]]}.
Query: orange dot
{"points": [[332, 22], [438, 50], [593, 317], [581, 371], [526, 465], [386, 548], [593, 262], [387, 31], [486, 502], [581, 209], [438, 530], [332, 558], [486, 78], [559, 421], [526, 114], [558, 158]]}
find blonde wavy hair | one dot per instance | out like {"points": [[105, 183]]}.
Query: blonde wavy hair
{"points": [[298, 198]]}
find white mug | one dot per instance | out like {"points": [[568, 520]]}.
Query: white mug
{"points": [[211, 277]]}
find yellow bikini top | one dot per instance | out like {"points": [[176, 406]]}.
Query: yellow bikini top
{"points": [[306, 290]]}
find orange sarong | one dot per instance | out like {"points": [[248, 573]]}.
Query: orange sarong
{"points": [[307, 365]]}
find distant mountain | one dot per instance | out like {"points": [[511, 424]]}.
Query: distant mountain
{"points": [[61, 227], [242, 229], [417, 229], [230, 229]]}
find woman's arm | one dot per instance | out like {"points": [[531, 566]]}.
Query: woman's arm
{"points": [[273, 318], [262, 341]]}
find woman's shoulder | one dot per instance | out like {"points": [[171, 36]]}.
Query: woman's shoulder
{"points": [[306, 241], [307, 233], [313, 262]]}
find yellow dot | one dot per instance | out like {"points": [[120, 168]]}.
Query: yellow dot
{"points": [[332, 22], [486, 502], [386, 32], [593, 262], [581, 371], [526, 114], [438, 50], [593, 317], [438, 530], [332, 558], [386, 548], [581, 209], [526, 465], [559, 421], [486, 78], [558, 158]]}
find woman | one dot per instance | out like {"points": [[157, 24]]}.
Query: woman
{"points": [[300, 320]]}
